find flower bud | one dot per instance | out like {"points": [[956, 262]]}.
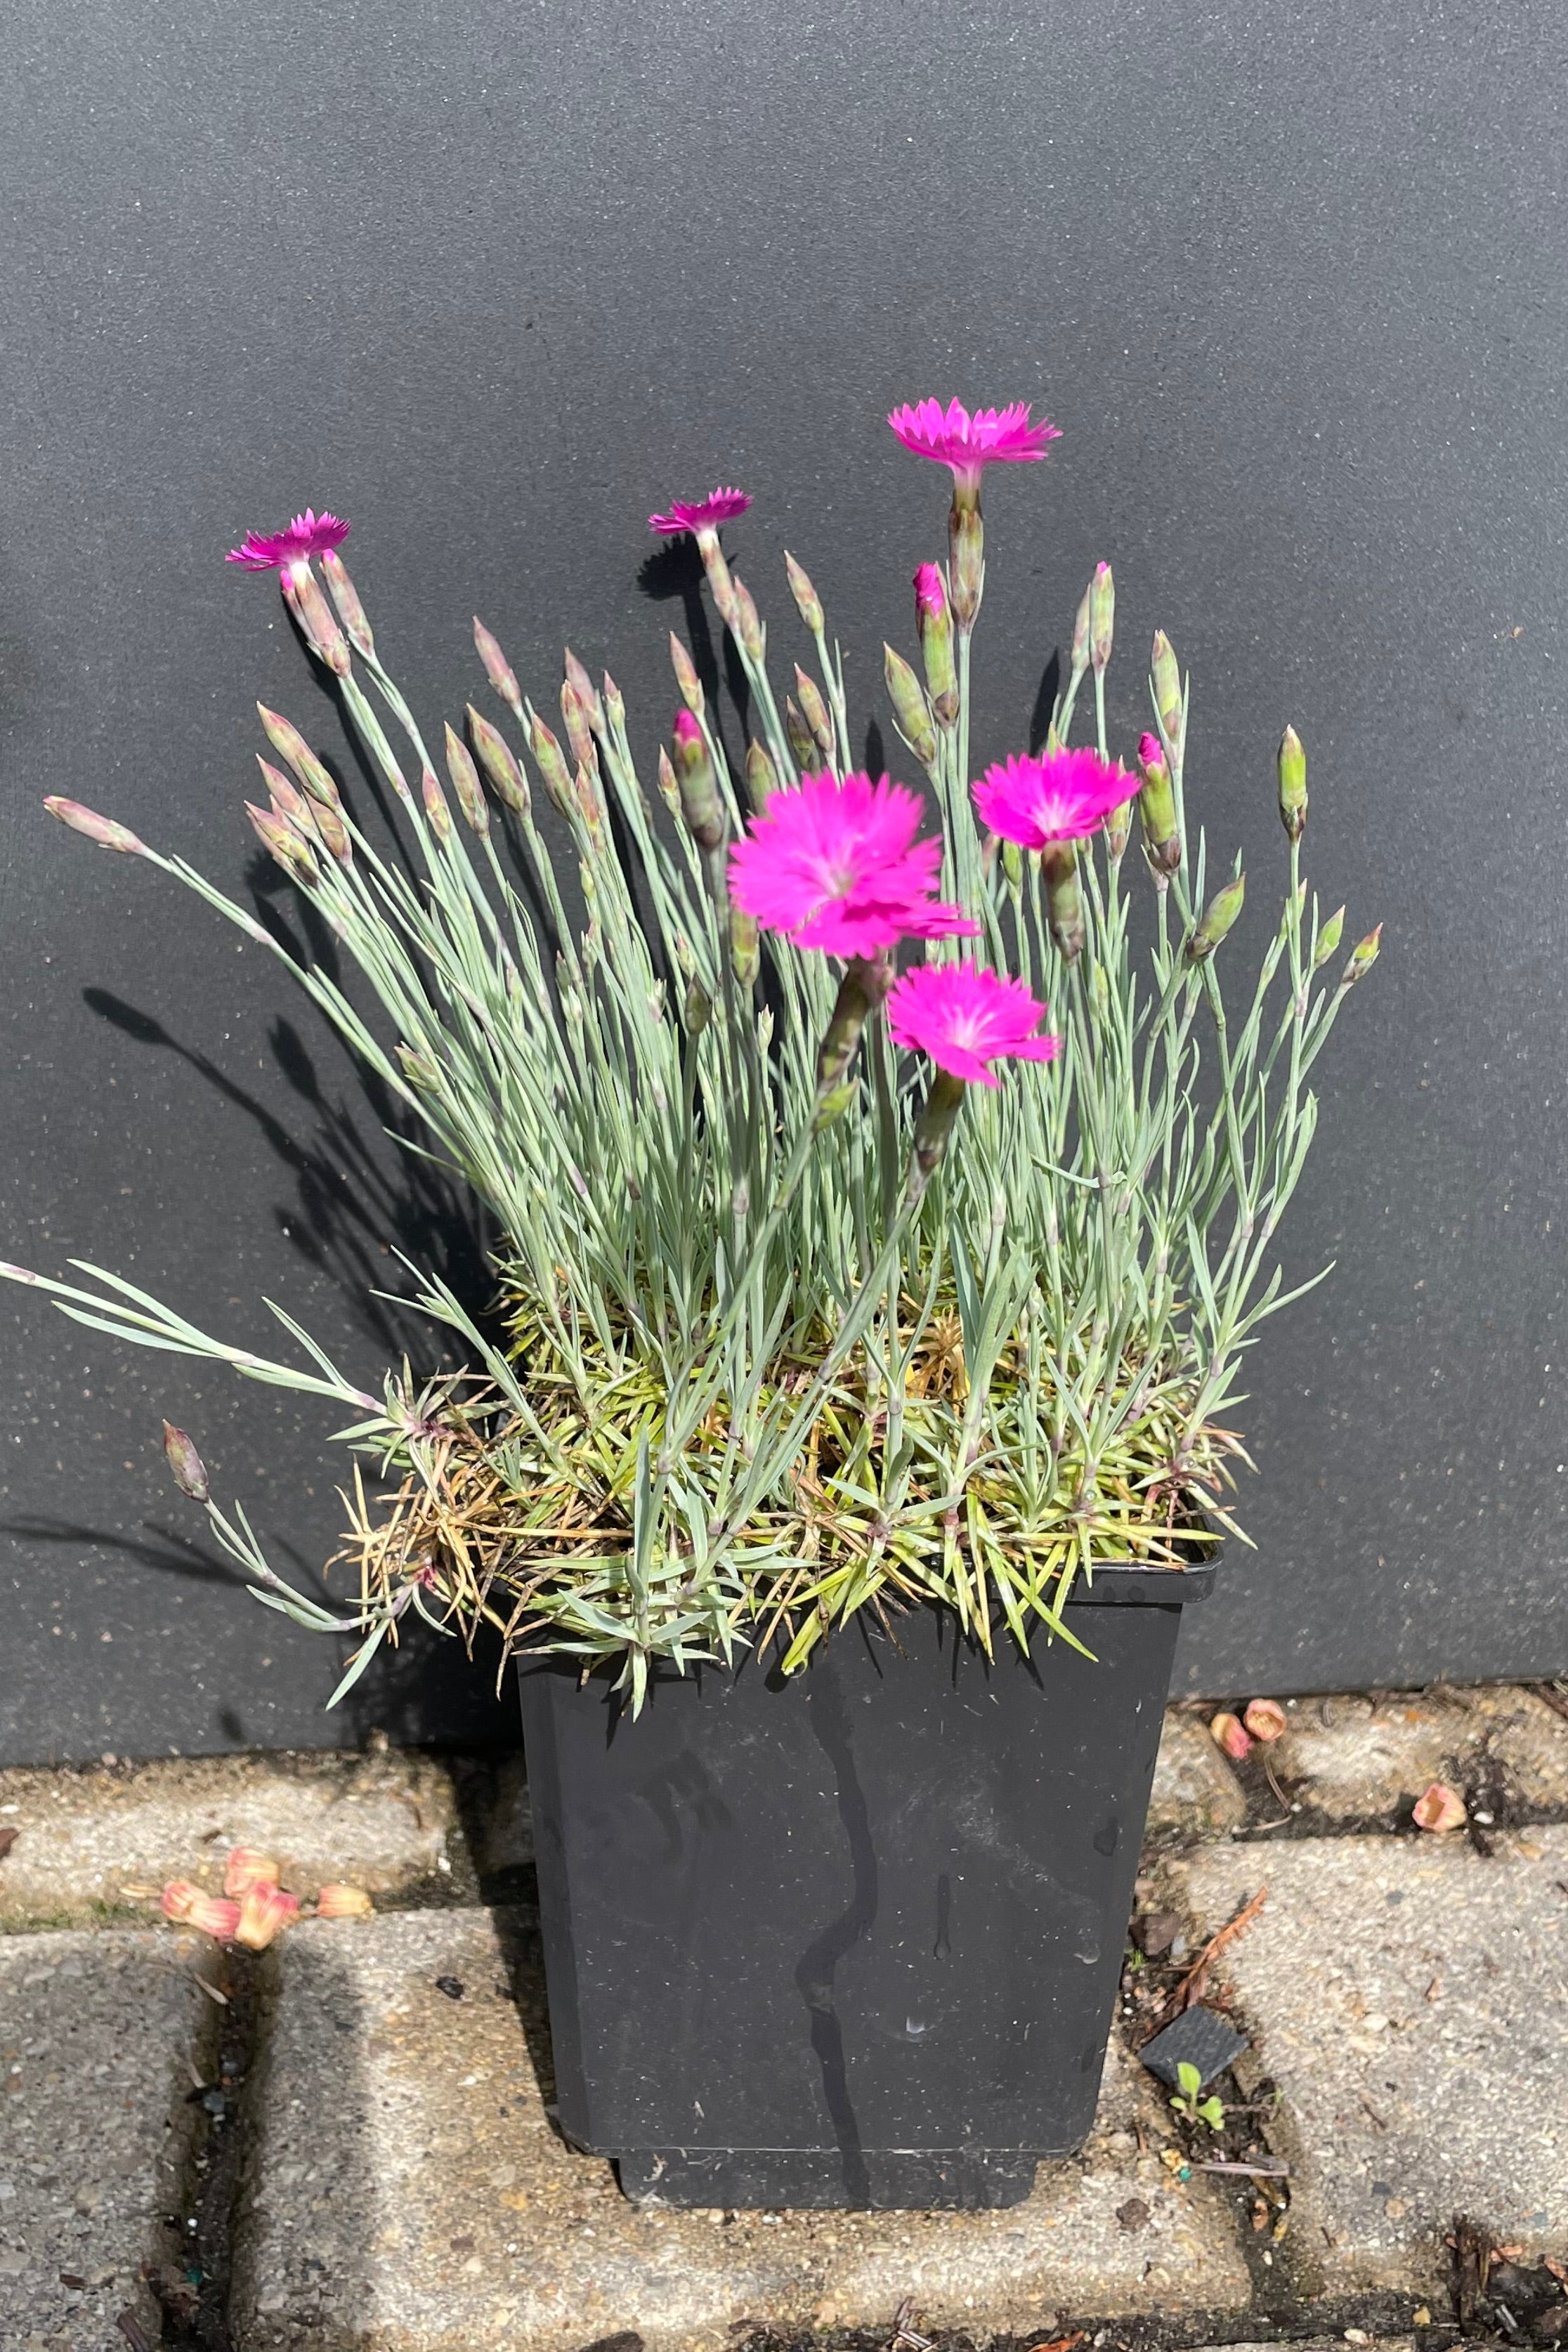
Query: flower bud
{"points": [[808, 604], [1440, 1808], [1157, 808], [264, 1913], [282, 844], [745, 955], [498, 669], [332, 832], [247, 1867], [419, 1070], [1266, 1719], [800, 737], [762, 776], [1078, 657], [686, 676], [302, 595], [747, 623], [815, 712], [1063, 901], [189, 1470], [1292, 784], [1363, 958], [590, 802], [1218, 916], [864, 983], [699, 1008], [436, 808], [1101, 617], [615, 706], [911, 709], [338, 1902], [933, 1126], [101, 829], [586, 692], [1329, 939], [465, 783], [1118, 825], [1167, 679], [345, 596], [933, 621], [291, 745], [669, 790], [699, 786], [288, 801], [579, 733], [965, 564], [1227, 1732], [497, 758], [551, 764]]}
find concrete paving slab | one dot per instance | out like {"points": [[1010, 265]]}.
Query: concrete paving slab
{"points": [[1410, 1997], [1196, 1794], [406, 2192], [96, 2032], [1357, 1759], [98, 1845]]}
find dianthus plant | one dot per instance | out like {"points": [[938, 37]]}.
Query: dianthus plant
{"points": [[887, 1182]]}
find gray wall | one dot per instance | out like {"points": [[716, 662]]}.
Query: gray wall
{"points": [[495, 280]]}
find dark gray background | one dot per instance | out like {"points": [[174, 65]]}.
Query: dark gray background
{"points": [[495, 280]]}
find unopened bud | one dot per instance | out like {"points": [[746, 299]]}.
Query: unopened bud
{"points": [[101, 829], [247, 1867], [498, 669], [291, 745], [911, 712], [345, 596], [574, 711], [264, 1913], [669, 790], [436, 808], [1363, 958], [1266, 1719], [282, 844], [1167, 677], [748, 623], [1118, 825], [745, 955], [288, 801], [302, 595], [1064, 900], [1292, 784], [614, 705], [1157, 809], [332, 832], [590, 800], [552, 763], [190, 1474], [419, 1070], [1329, 939], [864, 985], [686, 676], [815, 713], [465, 783], [337, 1902], [500, 764], [933, 621], [1012, 863], [1225, 1730], [1101, 617], [698, 1009], [586, 691], [808, 604], [698, 785], [934, 1127], [1078, 657], [800, 736], [965, 564], [1218, 916], [762, 776]]}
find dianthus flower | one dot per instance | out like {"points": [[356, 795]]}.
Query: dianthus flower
{"points": [[969, 442], [289, 551], [1059, 796], [718, 507], [965, 1019], [836, 864]]}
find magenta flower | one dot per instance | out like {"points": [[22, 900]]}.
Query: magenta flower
{"points": [[707, 514], [952, 436], [1059, 796], [931, 594], [289, 551], [836, 864], [965, 1019]]}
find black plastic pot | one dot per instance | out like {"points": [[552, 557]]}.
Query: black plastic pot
{"points": [[851, 1939]]}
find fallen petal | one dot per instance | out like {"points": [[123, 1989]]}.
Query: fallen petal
{"points": [[1265, 1718], [263, 1913], [342, 1903], [247, 1868], [178, 1897], [1227, 1733], [1439, 1808], [215, 1916]]}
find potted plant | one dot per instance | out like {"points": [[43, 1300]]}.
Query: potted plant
{"points": [[853, 1425]]}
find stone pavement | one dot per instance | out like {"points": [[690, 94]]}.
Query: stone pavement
{"points": [[400, 2188]]}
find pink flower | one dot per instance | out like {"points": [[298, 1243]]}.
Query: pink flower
{"points": [[289, 551], [707, 514], [952, 436], [1149, 751], [1057, 797], [836, 864], [264, 1911], [931, 594], [965, 1018]]}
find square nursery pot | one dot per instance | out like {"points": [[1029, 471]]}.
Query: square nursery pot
{"points": [[853, 1938]]}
